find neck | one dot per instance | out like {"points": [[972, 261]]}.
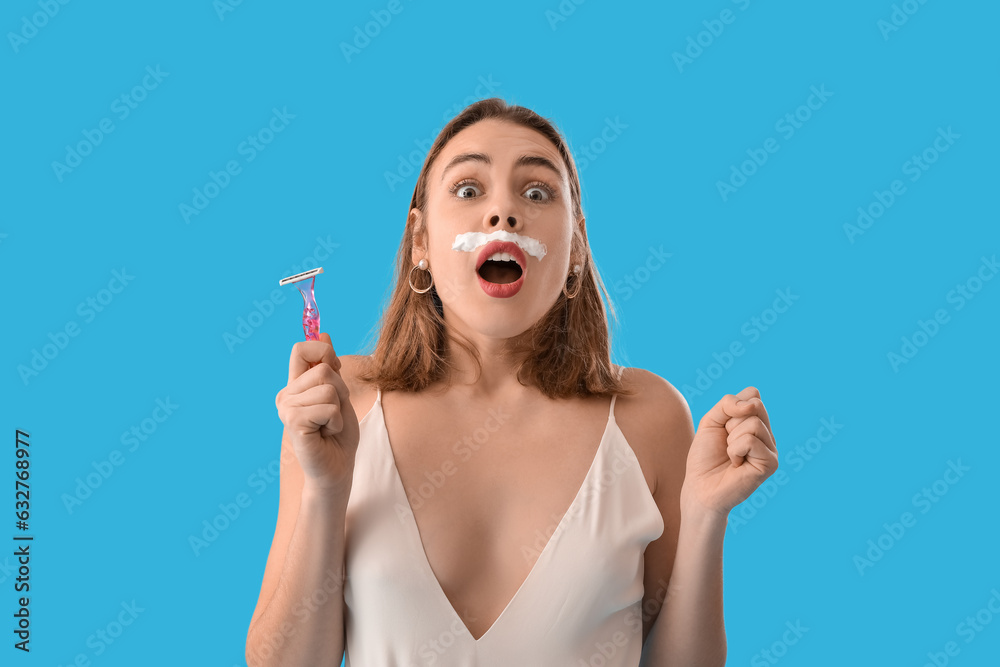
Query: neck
{"points": [[496, 380]]}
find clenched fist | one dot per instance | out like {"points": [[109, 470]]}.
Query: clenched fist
{"points": [[318, 416]]}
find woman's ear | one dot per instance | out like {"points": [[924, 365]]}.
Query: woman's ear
{"points": [[419, 233]]}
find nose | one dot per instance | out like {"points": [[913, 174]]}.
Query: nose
{"points": [[511, 221], [503, 211]]}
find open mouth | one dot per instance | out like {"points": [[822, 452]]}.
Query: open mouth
{"points": [[500, 263], [500, 269]]}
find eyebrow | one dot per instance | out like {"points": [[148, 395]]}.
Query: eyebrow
{"points": [[523, 161]]}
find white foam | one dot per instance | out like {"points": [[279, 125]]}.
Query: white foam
{"points": [[469, 241]]}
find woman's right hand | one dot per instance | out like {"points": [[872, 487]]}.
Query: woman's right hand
{"points": [[318, 415]]}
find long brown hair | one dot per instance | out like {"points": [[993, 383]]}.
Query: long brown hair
{"points": [[566, 353]]}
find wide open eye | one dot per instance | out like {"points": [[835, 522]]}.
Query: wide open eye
{"points": [[539, 192], [464, 187]]}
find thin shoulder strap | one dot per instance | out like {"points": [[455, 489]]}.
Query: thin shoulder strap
{"points": [[611, 414]]}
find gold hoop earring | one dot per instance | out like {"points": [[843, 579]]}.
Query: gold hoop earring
{"points": [[421, 265], [579, 282]]}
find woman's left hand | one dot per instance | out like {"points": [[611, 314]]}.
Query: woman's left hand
{"points": [[732, 453]]}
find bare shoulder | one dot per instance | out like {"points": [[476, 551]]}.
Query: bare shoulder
{"points": [[657, 422], [362, 394]]}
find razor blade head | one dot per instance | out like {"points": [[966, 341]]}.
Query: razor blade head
{"points": [[298, 277]]}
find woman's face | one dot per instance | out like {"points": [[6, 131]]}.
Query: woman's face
{"points": [[492, 177]]}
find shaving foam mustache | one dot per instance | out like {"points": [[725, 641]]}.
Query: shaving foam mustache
{"points": [[469, 241]]}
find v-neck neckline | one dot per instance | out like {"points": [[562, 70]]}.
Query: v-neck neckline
{"points": [[425, 562]]}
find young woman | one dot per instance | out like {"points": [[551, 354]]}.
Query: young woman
{"points": [[508, 496]]}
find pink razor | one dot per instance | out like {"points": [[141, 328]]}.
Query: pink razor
{"points": [[310, 311]]}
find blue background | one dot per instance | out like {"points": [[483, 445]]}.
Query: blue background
{"points": [[319, 194]]}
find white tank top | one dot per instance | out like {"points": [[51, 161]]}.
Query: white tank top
{"points": [[579, 606]]}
